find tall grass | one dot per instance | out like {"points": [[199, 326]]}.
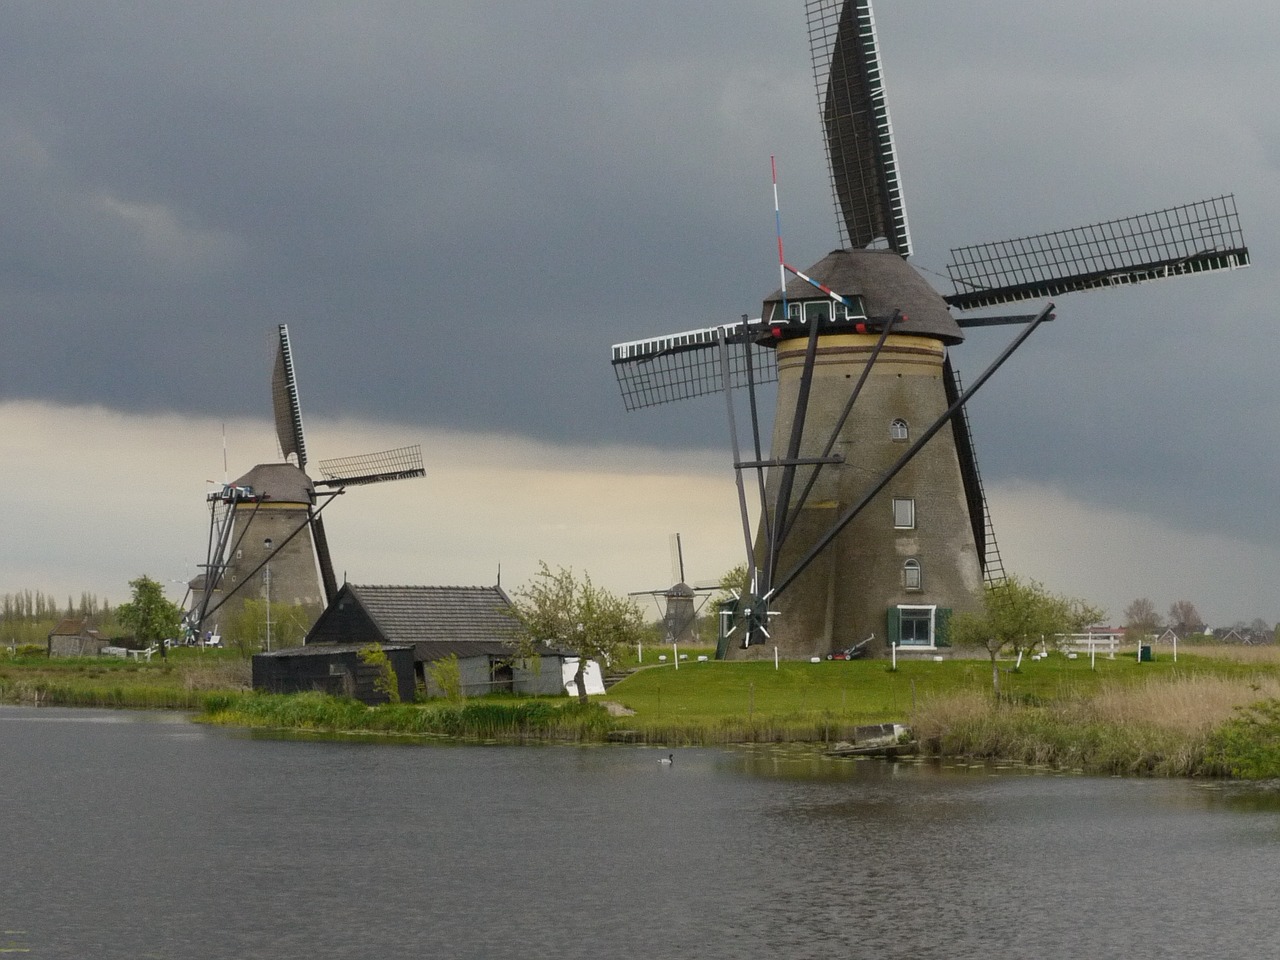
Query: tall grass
{"points": [[512, 720], [1170, 726]]}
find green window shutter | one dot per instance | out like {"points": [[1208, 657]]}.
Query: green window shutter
{"points": [[942, 627], [893, 622]]}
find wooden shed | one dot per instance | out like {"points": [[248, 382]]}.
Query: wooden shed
{"points": [[439, 622], [333, 668]]}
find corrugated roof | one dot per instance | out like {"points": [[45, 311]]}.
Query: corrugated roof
{"points": [[437, 614]]}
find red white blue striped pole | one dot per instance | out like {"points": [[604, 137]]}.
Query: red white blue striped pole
{"points": [[777, 219], [821, 286]]}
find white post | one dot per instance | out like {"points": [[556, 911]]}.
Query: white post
{"points": [[894, 647], [775, 658], [1175, 648], [675, 654], [639, 653], [1093, 658]]}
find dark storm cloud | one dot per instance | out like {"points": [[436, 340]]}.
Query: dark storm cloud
{"points": [[459, 206]]}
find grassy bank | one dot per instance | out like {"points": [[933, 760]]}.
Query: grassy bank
{"points": [[178, 682], [1214, 712]]}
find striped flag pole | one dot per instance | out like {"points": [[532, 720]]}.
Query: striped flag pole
{"points": [[821, 286], [777, 219]]}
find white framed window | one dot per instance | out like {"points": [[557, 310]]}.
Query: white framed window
{"points": [[898, 430], [904, 513], [856, 311], [911, 575], [916, 626]]}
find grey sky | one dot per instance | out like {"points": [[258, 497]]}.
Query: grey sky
{"points": [[459, 206]]}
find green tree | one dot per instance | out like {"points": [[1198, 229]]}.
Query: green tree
{"points": [[447, 676], [559, 610], [1017, 614], [150, 615]]}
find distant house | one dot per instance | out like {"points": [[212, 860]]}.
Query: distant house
{"points": [[1170, 636], [74, 638], [438, 622]]}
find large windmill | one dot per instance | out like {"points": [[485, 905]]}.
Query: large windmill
{"points": [[872, 515], [266, 529]]}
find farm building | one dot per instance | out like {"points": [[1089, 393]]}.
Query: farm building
{"points": [[439, 622], [73, 638], [332, 668]]}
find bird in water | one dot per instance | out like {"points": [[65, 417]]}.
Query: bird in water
{"points": [[668, 760]]}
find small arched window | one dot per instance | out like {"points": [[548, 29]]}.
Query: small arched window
{"points": [[898, 430], [911, 579]]}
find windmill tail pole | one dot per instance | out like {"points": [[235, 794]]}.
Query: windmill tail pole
{"points": [[783, 582], [733, 439]]}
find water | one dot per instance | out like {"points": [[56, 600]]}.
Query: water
{"points": [[142, 835]]}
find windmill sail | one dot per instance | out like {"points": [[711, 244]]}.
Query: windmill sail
{"points": [[402, 463], [680, 366], [284, 399], [1193, 238], [855, 121]]}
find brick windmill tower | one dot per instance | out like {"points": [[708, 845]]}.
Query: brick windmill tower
{"points": [[873, 520]]}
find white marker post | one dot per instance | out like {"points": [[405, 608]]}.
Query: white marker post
{"points": [[675, 654], [775, 658], [894, 647]]}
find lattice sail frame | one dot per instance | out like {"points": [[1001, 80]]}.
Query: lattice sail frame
{"points": [[400, 463], [1193, 238], [857, 132], [680, 366], [284, 402]]}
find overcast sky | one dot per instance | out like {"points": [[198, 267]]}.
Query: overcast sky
{"points": [[459, 206]]}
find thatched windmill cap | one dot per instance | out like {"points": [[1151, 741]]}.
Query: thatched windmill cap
{"points": [[886, 283], [279, 482]]}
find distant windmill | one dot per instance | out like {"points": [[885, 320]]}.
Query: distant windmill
{"points": [[266, 532], [872, 514], [680, 610]]}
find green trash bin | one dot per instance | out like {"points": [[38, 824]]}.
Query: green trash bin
{"points": [[1144, 653]]}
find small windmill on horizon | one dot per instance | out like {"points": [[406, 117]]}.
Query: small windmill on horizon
{"points": [[873, 518], [266, 529], [681, 607]]}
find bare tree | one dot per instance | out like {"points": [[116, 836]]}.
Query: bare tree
{"points": [[1184, 618], [1141, 619]]}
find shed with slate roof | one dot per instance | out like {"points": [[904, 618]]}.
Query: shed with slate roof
{"points": [[438, 622]]}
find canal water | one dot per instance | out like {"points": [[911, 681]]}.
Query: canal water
{"points": [[143, 835]]}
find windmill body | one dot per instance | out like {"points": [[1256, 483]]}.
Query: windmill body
{"points": [[872, 513], [912, 551], [270, 536]]}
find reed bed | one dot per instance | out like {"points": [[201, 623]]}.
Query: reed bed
{"points": [[1180, 725], [510, 720]]}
